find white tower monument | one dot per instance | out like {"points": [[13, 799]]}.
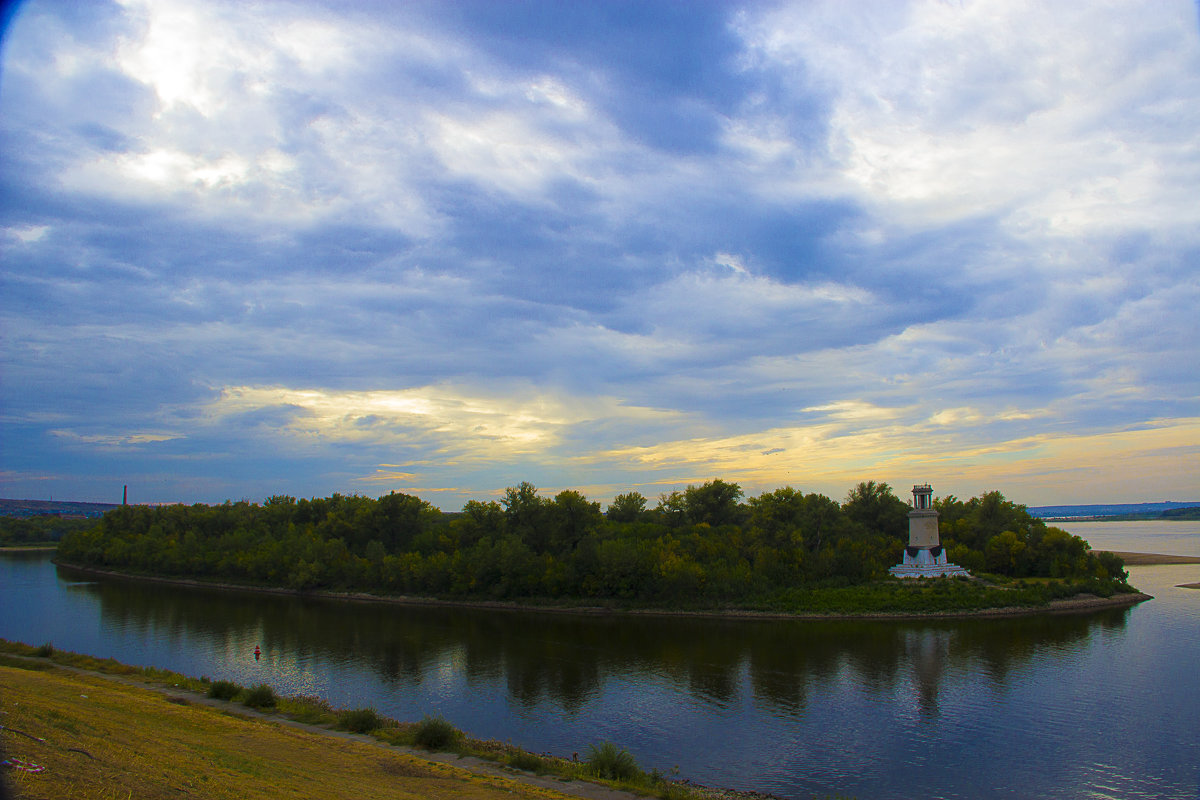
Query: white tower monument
{"points": [[924, 557]]}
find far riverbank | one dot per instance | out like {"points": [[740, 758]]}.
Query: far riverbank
{"points": [[1079, 604]]}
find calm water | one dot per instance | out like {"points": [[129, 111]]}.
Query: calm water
{"points": [[1097, 706], [1175, 538]]}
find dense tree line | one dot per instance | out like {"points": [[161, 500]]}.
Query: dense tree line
{"points": [[700, 544], [39, 528]]}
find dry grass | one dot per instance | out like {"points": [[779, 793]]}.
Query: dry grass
{"points": [[108, 740]]}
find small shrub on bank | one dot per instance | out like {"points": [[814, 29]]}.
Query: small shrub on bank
{"points": [[45, 651], [224, 690], [261, 696], [673, 791], [435, 733], [359, 720], [613, 763], [527, 761]]}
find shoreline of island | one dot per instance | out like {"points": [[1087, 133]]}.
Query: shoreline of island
{"points": [[1079, 604]]}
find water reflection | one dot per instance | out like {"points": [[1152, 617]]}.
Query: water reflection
{"points": [[567, 659]]}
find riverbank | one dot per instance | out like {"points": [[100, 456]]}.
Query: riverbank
{"points": [[69, 730], [88, 735], [1079, 604]]}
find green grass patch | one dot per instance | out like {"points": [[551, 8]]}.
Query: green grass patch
{"points": [[306, 709], [399, 734], [61, 721], [929, 596], [7, 660]]}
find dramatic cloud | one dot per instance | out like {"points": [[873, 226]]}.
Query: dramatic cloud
{"points": [[307, 247]]}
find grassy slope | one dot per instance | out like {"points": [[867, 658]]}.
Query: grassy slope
{"points": [[143, 745]]}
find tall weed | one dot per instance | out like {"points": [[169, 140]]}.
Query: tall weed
{"points": [[609, 762], [435, 733]]}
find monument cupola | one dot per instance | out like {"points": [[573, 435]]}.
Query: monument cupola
{"points": [[922, 497]]}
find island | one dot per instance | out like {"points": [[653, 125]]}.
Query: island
{"points": [[703, 550]]}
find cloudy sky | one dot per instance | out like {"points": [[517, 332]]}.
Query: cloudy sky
{"points": [[250, 248]]}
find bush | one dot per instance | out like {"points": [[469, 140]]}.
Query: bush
{"points": [[435, 733], [612, 763], [45, 651], [224, 690], [527, 761], [359, 720], [261, 696]]}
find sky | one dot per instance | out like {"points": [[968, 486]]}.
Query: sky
{"points": [[440, 248]]}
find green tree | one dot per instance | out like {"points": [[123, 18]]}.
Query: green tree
{"points": [[627, 507], [571, 517], [777, 517], [671, 509], [1112, 566], [396, 519], [712, 503], [479, 521], [873, 506], [526, 515], [786, 518], [1004, 553]]}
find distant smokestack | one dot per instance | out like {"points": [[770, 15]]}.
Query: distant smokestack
{"points": [[125, 495]]}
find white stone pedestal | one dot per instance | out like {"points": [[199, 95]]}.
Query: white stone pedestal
{"points": [[926, 565]]}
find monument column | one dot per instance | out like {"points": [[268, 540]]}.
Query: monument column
{"points": [[924, 557]]}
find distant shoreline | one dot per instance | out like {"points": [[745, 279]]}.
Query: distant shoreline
{"points": [[1116, 518], [1165, 511], [1080, 604]]}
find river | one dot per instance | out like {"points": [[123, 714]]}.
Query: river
{"points": [[1103, 705]]}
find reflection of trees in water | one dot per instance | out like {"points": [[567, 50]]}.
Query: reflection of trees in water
{"points": [[567, 658], [1004, 644]]}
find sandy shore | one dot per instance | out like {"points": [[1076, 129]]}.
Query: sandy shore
{"points": [[1150, 559], [1079, 604]]}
